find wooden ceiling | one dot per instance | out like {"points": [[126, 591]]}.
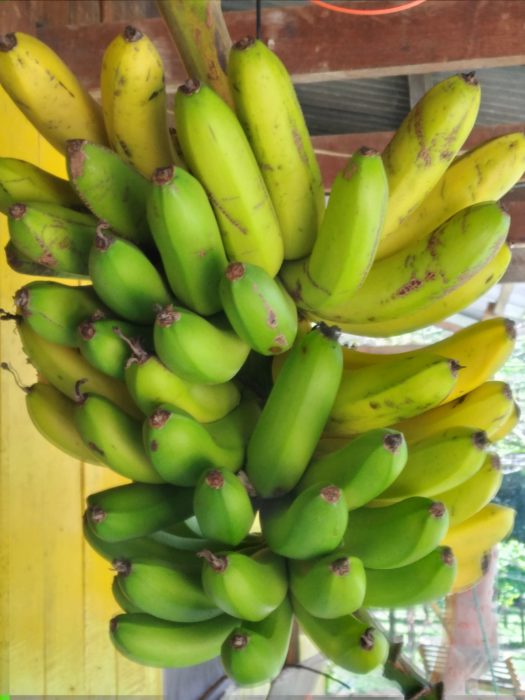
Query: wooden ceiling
{"points": [[314, 43]]}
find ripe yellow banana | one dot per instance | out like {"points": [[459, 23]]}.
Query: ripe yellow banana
{"points": [[470, 569], [423, 146], [456, 300], [271, 116], [134, 101], [485, 408], [508, 424], [480, 348], [47, 92], [482, 174]]}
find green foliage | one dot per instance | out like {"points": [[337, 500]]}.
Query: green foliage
{"points": [[510, 580]]}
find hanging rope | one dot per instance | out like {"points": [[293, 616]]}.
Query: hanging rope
{"points": [[371, 12], [258, 19]]}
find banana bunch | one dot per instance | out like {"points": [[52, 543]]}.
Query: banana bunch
{"points": [[272, 472]]}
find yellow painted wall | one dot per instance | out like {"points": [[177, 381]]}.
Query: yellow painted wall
{"points": [[55, 598]]}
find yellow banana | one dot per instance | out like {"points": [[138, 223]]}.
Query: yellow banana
{"points": [[482, 174], [480, 348], [47, 92], [470, 496], [470, 569], [271, 115], [134, 101], [423, 147], [485, 408], [456, 300], [508, 424]]}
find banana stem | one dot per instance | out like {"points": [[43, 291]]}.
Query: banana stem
{"points": [[200, 34]]}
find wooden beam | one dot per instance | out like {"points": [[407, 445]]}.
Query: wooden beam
{"points": [[317, 44]]}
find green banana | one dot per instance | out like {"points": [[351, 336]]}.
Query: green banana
{"points": [[368, 398], [52, 235], [115, 267], [47, 91], [151, 384], [363, 468], [419, 583], [395, 535], [133, 96], [485, 407], [54, 310], [247, 586], [307, 525], [255, 652], [134, 510], [484, 173], [345, 246], [63, 367], [23, 265], [188, 238], [438, 463], [223, 507], [268, 109], [165, 589], [423, 147], [295, 412], [329, 586], [181, 448], [347, 641], [258, 307], [198, 349], [150, 641], [113, 190], [427, 270], [120, 599], [104, 349], [473, 494], [21, 181], [114, 437], [219, 155]]}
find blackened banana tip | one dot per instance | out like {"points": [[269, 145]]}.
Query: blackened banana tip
{"points": [[159, 418], [238, 640], [393, 441], [122, 566], [244, 43], [131, 34], [340, 567], [366, 640], [214, 479], [190, 87], [17, 211], [8, 42], [447, 556], [437, 509], [235, 271], [161, 176]]}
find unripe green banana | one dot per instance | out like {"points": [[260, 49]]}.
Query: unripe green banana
{"points": [[52, 415], [438, 463], [396, 535], [330, 586], [218, 153], [114, 191], [114, 438], [150, 641], [307, 525], [164, 589], [258, 307], [151, 384], [426, 271], [422, 582], [181, 448], [53, 235], [368, 398], [188, 238], [473, 494], [125, 279], [346, 243], [347, 641], [223, 507], [63, 367], [255, 652], [133, 96], [197, 349], [295, 412], [247, 586], [47, 91], [54, 310], [363, 468], [134, 510], [121, 600], [21, 181], [23, 265], [485, 407], [272, 119], [104, 348], [424, 146]]}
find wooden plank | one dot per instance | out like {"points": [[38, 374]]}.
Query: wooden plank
{"points": [[317, 44]]}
